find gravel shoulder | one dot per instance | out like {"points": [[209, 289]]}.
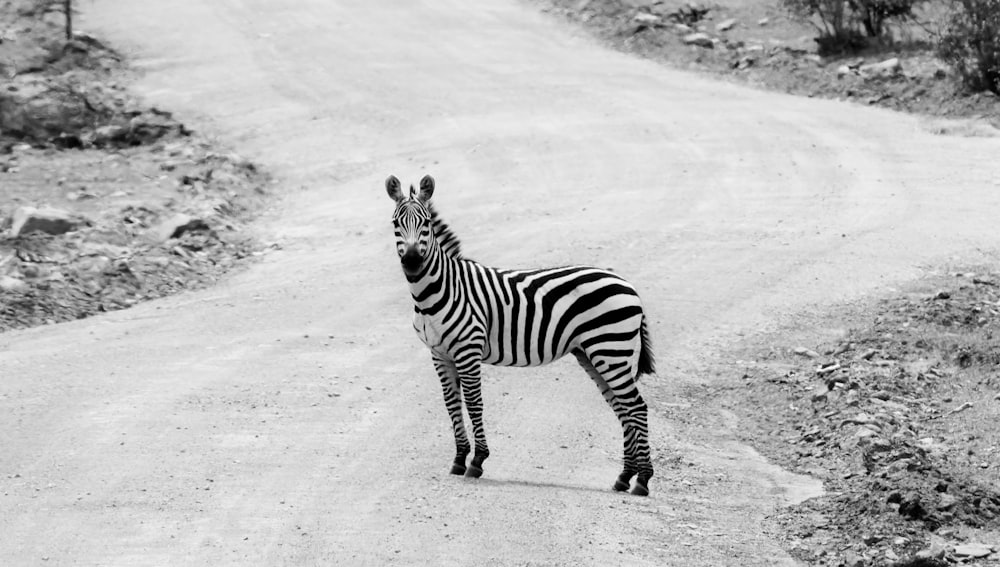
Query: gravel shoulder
{"points": [[892, 403], [106, 201]]}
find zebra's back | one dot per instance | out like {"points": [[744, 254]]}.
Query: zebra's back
{"points": [[536, 316]]}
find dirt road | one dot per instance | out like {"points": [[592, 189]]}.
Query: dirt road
{"points": [[290, 415]]}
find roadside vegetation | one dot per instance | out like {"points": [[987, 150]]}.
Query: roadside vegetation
{"points": [[104, 201], [939, 58], [970, 42]]}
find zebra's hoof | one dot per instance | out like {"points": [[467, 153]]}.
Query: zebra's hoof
{"points": [[474, 472], [457, 469], [640, 489], [620, 486]]}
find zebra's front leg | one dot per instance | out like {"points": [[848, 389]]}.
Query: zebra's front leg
{"points": [[451, 388], [472, 391]]}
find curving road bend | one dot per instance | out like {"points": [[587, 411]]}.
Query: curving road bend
{"points": [[289, 416]]}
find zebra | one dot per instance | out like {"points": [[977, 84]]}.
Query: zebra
{"points": [[468, 314]]}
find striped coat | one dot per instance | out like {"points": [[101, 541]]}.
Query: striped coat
{"points": [[469, 314]]}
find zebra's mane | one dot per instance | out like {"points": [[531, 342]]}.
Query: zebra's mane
{"points": [[446, 238]]}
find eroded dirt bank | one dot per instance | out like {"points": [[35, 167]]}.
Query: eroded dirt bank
{"points": [[105, 201]]}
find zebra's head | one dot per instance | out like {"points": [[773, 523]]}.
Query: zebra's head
{"points": [[412, 222]]}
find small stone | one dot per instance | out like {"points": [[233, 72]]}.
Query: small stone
{"points": [[912, 507], [803, 351], [744, 62], [861, 418], [843, 70], [864, 432], [8, 283], [934, 552], [942, 295], [973, 550], [48, 220], [646, 18], [725, 25], [763, 22], [828, 368], [885, 68], [80, 195], [891, 555], [879, 445], [946, 502], [94, 264], [871, 539], [109, 134], [949, 533], [852, 559], [700, 39], [175, 226]]}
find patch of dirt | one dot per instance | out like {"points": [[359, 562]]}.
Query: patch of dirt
{"points": [[133, 204], [898, 418], [759, 44]]}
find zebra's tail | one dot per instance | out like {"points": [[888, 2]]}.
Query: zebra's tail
{"points": [[646, 361]]}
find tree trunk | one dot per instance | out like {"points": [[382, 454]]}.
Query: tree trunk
{"points": [[68, 8]]}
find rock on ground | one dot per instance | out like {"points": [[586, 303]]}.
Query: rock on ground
{"points": [[49, 220], [725, 25], [700, 39], [885, 68]]}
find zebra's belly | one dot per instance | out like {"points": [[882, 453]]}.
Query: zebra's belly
{"points": [[492, 355]]}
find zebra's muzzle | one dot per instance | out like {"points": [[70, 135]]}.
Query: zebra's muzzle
{"points": [[411, 260]]}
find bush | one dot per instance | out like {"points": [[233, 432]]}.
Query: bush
{"points": [[846, 24], [832, 14], [971, 43], [874, 14]]}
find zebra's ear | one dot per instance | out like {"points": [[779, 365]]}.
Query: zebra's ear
{"points": [[393, 188], [426, 188]]}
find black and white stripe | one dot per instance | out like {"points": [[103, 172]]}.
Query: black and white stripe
{"points": [[469, 314]]}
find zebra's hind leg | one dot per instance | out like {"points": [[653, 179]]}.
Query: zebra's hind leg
{"points": [[631, 411], [453, 402], [639, 414]]}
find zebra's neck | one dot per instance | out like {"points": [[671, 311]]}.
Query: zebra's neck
{"points": [[435, 287], [442, 232]]}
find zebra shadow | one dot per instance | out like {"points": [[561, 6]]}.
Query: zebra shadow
{"points": [[544, 485]]}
